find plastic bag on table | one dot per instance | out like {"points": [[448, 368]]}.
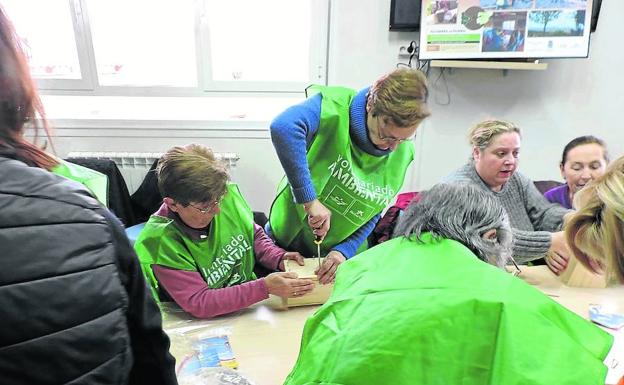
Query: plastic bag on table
{"points": [[215, 376], [199, 347]]}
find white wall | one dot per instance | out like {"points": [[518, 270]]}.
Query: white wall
{"points": [[572, 97]]}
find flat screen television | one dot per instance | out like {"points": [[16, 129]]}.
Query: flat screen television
{"points": [[405, 15], [505, 29], [595, 13]]}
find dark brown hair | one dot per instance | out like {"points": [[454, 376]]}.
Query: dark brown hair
{"points": [[19, 102], [581, 140]]}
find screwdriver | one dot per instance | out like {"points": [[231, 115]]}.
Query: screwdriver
{"points": [[318, 240]]}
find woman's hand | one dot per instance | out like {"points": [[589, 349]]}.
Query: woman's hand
{"points": [[327, 272], [288, 285], [292, 255], [559, 253], [318, 217]]}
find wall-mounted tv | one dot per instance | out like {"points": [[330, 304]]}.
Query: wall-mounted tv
{"points": [[405, 15], [595, 13], [504, 29]]}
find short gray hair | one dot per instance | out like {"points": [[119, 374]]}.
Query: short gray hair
{"points": [[461, 212]]}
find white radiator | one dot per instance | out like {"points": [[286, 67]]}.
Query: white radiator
{"points": [[134, 165]]}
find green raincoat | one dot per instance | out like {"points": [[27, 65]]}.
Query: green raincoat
{"points": [[407, 313]]}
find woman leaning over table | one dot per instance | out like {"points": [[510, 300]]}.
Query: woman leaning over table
{"points": [[435, 306], [345, 154], [536, 223]]}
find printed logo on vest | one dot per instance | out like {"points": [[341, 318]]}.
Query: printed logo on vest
{"points": [[230, 257], [349, 195]]}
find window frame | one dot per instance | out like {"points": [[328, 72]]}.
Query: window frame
{"points": [[317, 64], [89, 84], [86, 81]]}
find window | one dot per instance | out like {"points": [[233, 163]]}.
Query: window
{"points": [[144, 42], [173, 47], [57, 59], [263, 43]]}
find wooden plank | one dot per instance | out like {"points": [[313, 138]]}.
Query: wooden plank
{"points": [[319, 295]]}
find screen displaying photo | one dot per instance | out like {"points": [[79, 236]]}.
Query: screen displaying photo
{"points": [[499, 29]]}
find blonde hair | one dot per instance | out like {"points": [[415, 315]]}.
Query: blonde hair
{"points": [[482, 133], [596, 230], [401, 96], [191, 173]]}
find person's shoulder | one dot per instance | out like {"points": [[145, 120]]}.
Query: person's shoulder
{"points": [[53, 193], [233, 188], [234, 193], [520, 179], [158, 227], [555, 191], [461, 175], [159, 232], [308, 109]]}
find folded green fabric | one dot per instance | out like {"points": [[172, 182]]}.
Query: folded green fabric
{"points": [[93, 180], [432, 313]]}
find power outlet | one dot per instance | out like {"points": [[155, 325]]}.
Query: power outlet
{"points": [[403, 51]]}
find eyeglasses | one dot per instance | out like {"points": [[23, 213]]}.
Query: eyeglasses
{"points": [[389, 139], [210, 207]]}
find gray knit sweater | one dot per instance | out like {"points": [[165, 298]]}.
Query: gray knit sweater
{"points": [[532, 217]]}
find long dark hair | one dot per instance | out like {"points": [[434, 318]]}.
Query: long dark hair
{"points": [[581, 140], [19, 102]]}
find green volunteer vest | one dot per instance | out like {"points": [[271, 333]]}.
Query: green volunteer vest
{"points": [[354, 185], [405, 313], [93, 180], [224, 258]]}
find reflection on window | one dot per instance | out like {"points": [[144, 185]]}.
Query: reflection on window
{"points": [[50, 47], [144, 42], [253, 40]]}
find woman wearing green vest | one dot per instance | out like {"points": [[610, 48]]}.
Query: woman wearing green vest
{"points": [[200, 247], [432, 306], [345, 154]]}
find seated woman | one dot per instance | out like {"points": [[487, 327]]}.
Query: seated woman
{"points": [[75, 307], [429, 307], [536, 223], [200, 247], [596, 231], [583, 160]]}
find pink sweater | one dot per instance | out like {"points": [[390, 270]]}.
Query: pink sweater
{"points": [[189, 290]]}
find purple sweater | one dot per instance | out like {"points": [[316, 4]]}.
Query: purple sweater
{"points": [[292, 133], [560, 194], [189, 290]]}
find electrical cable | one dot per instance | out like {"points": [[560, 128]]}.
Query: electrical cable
{"points": [[412, 49], [422, 65], [448, 94]]}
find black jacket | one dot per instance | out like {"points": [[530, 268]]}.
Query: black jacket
{"points": [[74, 305]]}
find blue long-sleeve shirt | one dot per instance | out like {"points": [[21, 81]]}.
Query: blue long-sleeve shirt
{"points": [[292, 133]]}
